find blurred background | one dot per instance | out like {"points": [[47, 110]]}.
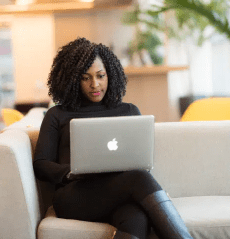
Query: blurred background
{"points": [[173, 51]]}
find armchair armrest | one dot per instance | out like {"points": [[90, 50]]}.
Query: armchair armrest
{"points": [[32, 120], [19, 203]]}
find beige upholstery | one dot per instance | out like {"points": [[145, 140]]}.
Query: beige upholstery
{"points": [[193, 158], [191, 163], [53, 227], [19, 203], [31, 121], [206, 216]]}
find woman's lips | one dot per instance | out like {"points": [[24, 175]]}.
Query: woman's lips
{"points": [[96, 93]]}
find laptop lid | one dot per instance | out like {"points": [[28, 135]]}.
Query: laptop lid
{"points": [[111, 144]]}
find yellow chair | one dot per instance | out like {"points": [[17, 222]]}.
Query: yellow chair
{"points": [[208, 109], [11, 116]]}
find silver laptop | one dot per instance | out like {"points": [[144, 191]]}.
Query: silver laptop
{"points": [[111, 144]]}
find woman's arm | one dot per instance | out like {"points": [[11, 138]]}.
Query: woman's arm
{"points": [[45, 164]]}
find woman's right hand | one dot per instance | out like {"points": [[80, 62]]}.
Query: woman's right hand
{"points": [[69, 177]]}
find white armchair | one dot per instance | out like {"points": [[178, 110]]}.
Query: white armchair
{"points": [[192, 163]]}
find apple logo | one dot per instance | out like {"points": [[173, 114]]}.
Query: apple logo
{"points": [[112, 145]]}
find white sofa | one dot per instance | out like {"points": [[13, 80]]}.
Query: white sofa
{"points": [[192, 163]]}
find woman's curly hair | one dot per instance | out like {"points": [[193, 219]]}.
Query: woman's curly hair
{"points": [[73, 60]]}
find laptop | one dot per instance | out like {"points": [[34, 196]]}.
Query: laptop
{"points": [[111, 144]]}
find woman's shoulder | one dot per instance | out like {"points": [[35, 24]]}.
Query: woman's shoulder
{"points": [[54, 113], [131, 108], [55, 116], [54, 110]]}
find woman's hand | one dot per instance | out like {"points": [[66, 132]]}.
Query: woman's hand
{"points": [[69, 177]]}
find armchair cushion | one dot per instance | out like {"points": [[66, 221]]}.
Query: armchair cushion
{"points": [[58, 228], [205, 216]]}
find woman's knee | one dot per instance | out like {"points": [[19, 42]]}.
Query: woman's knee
{"points": [[143, 184], [140, 174]]}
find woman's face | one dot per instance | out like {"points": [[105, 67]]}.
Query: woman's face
{"points": [[94, 82]]}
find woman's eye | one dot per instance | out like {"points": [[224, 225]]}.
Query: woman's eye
{"points": [[85, 78], [101, 76]]}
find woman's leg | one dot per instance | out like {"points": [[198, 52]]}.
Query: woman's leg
{"points": [[145, 190], [131, 222], [164, 216], [95, 199]]}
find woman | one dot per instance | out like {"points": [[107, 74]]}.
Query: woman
{"points": [[87, 80]]}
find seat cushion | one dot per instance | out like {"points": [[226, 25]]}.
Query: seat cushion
{"points": [[52, 227], [205, 216]]}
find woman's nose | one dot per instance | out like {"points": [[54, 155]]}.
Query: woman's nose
{"points": [[94, 83]]}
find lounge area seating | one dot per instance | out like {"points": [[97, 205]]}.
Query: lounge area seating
{"points": [[191, 163], [208, 109]]}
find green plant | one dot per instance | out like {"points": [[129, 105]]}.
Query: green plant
{"points": [[144, 39], [190, 18], [184, 18], [187, 20]]}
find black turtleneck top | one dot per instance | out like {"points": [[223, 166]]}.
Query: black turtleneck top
{"points": [[52, 154]]}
